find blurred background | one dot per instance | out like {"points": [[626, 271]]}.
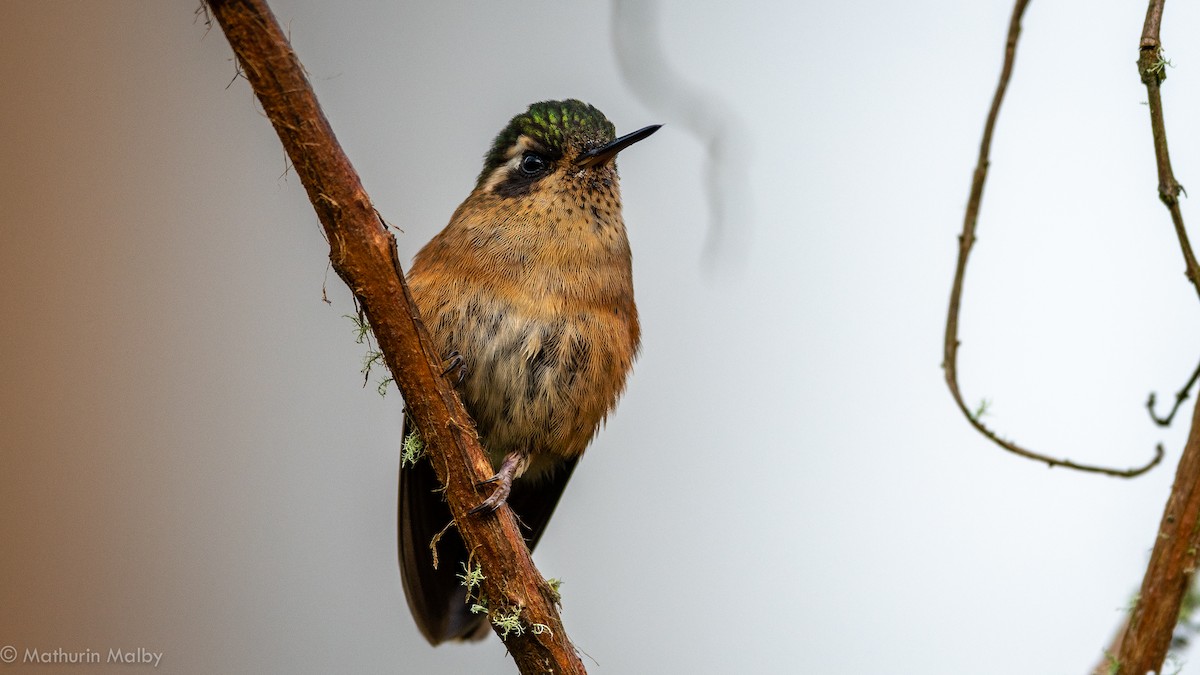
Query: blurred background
{"points": [[190, 463]]}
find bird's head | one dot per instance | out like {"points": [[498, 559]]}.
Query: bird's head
{"points": [[555, 147]]}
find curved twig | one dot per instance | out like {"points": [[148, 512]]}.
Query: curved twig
{"points": [[1180, 397], [965, 241]]}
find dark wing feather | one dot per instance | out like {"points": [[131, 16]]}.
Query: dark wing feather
{"points": [[436, 597]]}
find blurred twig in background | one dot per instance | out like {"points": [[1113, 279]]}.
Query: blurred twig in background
{"points": [[637, 44]]}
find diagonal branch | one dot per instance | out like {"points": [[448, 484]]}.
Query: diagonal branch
{"points": [[1145, 642], [965, 241], [364, 255]]}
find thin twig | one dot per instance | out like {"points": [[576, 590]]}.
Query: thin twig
{"points": [[1173, 561], [1180, 397], [364, 255], [965, 241], [1152, 68]]}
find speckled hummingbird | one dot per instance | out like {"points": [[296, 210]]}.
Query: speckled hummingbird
{"points": [[528, 294]]}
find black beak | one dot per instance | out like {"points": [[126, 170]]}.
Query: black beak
{"points": [[602, 154]]}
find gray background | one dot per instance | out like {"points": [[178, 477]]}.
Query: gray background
{"points": [[190, 463]]}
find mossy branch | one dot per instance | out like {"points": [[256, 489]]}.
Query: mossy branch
{"points": [[363, 253]]}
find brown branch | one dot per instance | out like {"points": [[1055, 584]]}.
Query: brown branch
{"points": [[1173, 561], [364, 255], [1153, 70], [965, 241], [1172, 564], [1180, 397]]}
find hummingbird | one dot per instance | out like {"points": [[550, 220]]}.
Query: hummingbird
{"points": [[528, 296]]}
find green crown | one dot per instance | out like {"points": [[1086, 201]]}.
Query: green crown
{"points": [[554, 124]]}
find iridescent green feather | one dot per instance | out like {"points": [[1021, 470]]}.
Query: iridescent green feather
{"points": [[554, 124]]}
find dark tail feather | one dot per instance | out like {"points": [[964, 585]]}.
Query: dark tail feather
{"points": [[436, 597]]}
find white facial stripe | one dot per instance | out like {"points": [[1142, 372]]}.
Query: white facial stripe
{"points": [[514, 153]]}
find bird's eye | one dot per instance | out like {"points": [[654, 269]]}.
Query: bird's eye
{"points": [[533, 164]]}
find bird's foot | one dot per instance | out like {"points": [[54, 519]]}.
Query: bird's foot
{"points": [[454, 361], [503, 481]]}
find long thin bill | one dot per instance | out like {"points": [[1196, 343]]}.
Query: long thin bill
{"points": [[609, 150]]}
